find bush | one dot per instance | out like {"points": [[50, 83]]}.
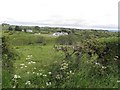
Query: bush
{"points": [[18, 28], [107, 56], [8, 57], [66, 40], [40, 40]]}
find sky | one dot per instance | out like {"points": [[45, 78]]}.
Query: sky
{"points": [[88, 14]]}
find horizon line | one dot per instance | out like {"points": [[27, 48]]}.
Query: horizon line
{"points": [[61, 26]]}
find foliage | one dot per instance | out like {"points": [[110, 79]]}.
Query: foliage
{"points": [[10, 28], [37, 27], [83, 59], [8, 56], [66, 40], [23, 39], [18, 28]]}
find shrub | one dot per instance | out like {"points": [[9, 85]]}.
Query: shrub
{"points": [[18, 28], [40, 40], [66, 40], [8, 57]]}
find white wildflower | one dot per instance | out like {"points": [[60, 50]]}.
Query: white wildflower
{"points": [[27, 58], [118, 81], [61, 68], [34, 68], [97, 63], [15, 76], [33, 62], [40, 70], [33, 72], [21, 67], [40, 74], [49, 73], [48, 83], [30, 55], [37, 74], [64, 66], [18, 77], [28, 72], [25, 66], [70, 71], [44, 75], [116, 57], [67, 72], [29, 62], [103, 67], [28, 83], [58, 76], [14, 86], [22, 64]]}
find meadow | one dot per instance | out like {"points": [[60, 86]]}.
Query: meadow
{"points": [[82, 59]]}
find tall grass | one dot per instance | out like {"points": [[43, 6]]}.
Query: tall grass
{"points": [[41, 66]]}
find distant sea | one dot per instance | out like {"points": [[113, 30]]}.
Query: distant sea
{"points": [[114, 30]]}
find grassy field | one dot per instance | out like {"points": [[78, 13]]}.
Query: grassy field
{"points": [[38, 64]]}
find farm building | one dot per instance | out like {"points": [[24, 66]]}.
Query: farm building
{"points": [[60, 33], [29, 31]]}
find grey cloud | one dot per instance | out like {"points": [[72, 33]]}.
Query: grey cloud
{"points": [[79, 23]]}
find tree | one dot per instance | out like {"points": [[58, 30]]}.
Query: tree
{"points": [[37, 27], [25, 30], [17, 28], [72, 31], [5, 24], [10, 28], [66, 40]]}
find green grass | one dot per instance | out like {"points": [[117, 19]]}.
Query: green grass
{"points": [[43, 55], [45, 59]]}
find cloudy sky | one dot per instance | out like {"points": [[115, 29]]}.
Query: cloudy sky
{"points": [[96, 14]]}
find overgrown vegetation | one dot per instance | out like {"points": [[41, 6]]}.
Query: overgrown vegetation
{"points": [[82, 59], [9, 56]]}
